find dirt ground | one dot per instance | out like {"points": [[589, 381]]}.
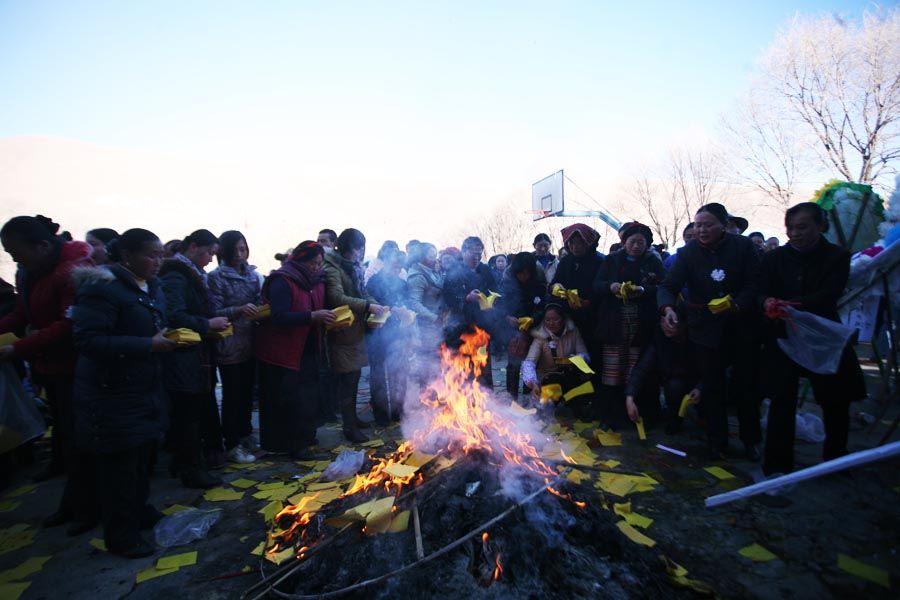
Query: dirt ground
{"points": [[854, 513]]}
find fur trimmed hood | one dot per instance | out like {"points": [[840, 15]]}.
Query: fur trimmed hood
{"points": [[82, 276]]}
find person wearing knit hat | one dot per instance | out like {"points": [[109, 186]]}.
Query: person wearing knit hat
{"points": [[625, 289], [724, 267]]}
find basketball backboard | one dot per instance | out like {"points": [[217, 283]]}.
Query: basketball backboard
{"points": [[547, 196]]}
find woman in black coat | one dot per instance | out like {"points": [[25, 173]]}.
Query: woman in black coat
{"points": [[119, 318], [523, 292], [625, 326], [811, 272], [189, 376], [577, 271], [714, 265]]}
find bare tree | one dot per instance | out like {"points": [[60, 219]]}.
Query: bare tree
{"points": [[766, 150], [508, 228], [665, 216], [841, 80]]}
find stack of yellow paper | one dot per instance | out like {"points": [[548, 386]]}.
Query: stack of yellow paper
{"points": [[487, 302], [551, 392], [626, 290], [525, 323], [570, 296], [720, 305], [8, 338], [685, 402], [375, 321], [184, 336], [227, 332], [343, 317], [262, 312]]}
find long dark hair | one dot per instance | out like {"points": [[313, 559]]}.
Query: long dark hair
{"points": [[228, 242], [201, 237], [104, 234], [350, 239]]}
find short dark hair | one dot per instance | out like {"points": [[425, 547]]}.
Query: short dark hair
{"points": [[687, 228], [818, 213], [130, 241], [33, 230], [470, 241], [104, 234], [757, 234], [201, 237], [541, 237], [387, 249], [523, 261], [228, 242], [331, 234], [351, 239]]}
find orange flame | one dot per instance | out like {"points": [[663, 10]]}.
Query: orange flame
{"points": [[498, 568], [559, 494]]}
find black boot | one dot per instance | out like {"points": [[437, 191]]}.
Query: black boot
{"points": [[139, 549], [195, 477], [351, 425]]}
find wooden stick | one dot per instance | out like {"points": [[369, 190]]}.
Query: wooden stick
{"points": [[420, 548], [451, 546]]}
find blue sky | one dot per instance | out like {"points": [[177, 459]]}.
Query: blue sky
{"points": [[361, 112]]}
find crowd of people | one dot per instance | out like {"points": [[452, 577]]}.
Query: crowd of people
{"points": [[127, 337]]}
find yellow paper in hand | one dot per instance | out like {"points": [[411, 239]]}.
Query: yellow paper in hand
{"points": [[558, 290], [573, 298], [640, 428], [227, 332], [183, 336], [487, 302], [625, 291], [585, 388], [525, 323], [262, 312], [720, 305], [551, 392], [582, 365], [374, 321], [685, 402], [343, 317], [8, 338]]}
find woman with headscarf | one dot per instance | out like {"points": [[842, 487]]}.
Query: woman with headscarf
{"points": [[290, 346], [234, 292], [577, 271], [812, 273], [345, 286], [188, 373], [625, 289], [720, 271]]}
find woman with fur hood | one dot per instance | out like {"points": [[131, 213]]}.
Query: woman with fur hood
{"points": [[119, 322]]}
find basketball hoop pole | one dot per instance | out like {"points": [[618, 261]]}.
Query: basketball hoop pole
{"points": [[597, 214]]}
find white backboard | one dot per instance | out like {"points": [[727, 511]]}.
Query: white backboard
{"points": [[547, 196]]}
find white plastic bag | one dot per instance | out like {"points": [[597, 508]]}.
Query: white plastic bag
{"points": [[20, 419], [809, 428], [184, 527], [346, 464], [813, 342]]}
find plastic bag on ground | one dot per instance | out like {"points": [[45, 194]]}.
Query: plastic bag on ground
{"points": [[813, 342], [184, 527], [346, 464], [20, 419], [809, 428]]}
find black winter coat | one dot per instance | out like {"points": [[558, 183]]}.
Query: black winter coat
{"points": [[578, 273], [118, 396], [646, 271], [731, 267], [518, 300], [457, 285], [187, 370]]}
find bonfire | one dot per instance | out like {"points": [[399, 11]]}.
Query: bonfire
{"points": [[484, 491]]}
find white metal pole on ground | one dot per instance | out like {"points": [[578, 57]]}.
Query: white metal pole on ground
{"points": [[832, 466]]}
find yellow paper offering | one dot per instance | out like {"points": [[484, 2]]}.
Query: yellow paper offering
{"points": [[685, 402], [399, 522], [270, 510], [29, 567], [8, 338], [626, 290], [98, 544], [582, 365], [183, 336], [227, 332], [487, 302], [221, 494], [262, 312], [151, 573], [585, 388], [175, 508], [609, 438], [720, 305], [634, 535], [401, 471], [864, 571], [375, 321], [525, 323], [640, 428], [756, 553], [718, 473], [177, 561], [632, 518], [551, 392], [244, 483], [343, 317]]}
